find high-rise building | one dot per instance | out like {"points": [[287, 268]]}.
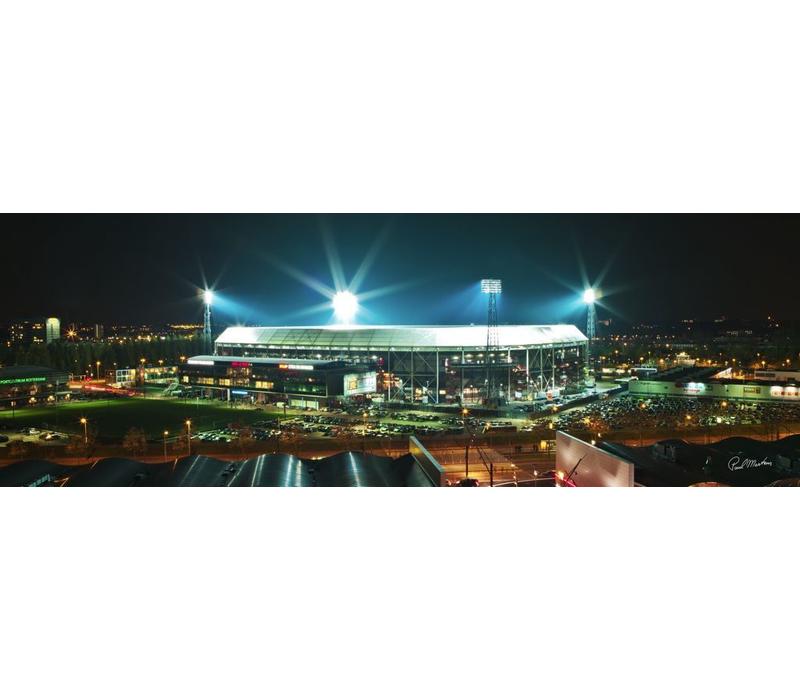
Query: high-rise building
{"points": [[28, 332], [52, 330]]}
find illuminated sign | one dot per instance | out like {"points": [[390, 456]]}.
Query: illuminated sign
{"points": [[239, 393], [23, 380], [365, 383], [204, 363], [302, 368], [241, 365]]}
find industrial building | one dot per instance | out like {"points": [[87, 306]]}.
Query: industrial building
{"points": [[719, 384], [425, 364]]}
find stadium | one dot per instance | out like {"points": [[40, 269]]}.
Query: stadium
{"points": [[401, 364]]}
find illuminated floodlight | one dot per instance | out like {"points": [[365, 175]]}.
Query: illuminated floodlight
{"points": [[492, 286], [589, 296], [208, 297], [345, 305]]}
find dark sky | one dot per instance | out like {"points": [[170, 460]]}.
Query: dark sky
{"points": [[148, 268]]}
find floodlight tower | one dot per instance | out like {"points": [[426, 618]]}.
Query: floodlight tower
{"points": [[590, 299], [492, 288], [208, 300]]}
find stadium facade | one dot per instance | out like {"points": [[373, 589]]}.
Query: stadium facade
{"points": [[416, 364]]}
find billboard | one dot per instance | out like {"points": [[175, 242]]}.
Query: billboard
{"points": [[597, 467], [363, 383]]}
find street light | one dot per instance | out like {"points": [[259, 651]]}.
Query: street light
{"points": [[189, 435], [85, 424], [166, 433], [98, 369]]}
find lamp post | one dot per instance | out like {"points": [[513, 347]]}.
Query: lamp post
{"points": [[85, 424], [465, 413], [166, 433], [189, 435]]}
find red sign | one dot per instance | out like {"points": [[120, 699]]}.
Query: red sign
{"points": [[241, 364]]}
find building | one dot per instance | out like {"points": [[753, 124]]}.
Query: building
{"points": [[428, 364], [28, 332], [22, 385], [718, 384], [302, 383], [52, 330], [417, 468], [777, 375]]}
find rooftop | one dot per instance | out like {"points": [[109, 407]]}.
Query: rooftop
{"points": [[734, 461], [347, 469], [398, 337], [28, 372]]}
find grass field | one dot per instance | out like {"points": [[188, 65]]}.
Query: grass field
{"points": [[114, 417]]}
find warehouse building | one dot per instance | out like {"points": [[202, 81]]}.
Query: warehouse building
{"points": [[717, 384]]}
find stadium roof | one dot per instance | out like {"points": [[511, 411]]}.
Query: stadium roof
{"points": [[399, 337]]}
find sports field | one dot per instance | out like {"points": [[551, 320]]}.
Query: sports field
{"points": [[112, 418]]}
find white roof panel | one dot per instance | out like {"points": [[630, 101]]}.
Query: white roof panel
{"points": [[386, 337]]}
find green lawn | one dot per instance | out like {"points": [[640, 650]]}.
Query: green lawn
{"points": [[114, 417]]}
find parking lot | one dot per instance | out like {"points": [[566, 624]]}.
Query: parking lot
{"points": [[31, 436], [669, 414]]}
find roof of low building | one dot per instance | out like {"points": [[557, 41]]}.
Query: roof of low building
{"points": [[30, 372]]}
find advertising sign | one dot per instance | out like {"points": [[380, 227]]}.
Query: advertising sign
{"points": [[365, 383]]}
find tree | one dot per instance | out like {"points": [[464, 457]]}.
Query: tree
{"points": [[135, 442], [81, 445]]}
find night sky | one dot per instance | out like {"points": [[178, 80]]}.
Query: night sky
{"points": [[141, 268]]}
